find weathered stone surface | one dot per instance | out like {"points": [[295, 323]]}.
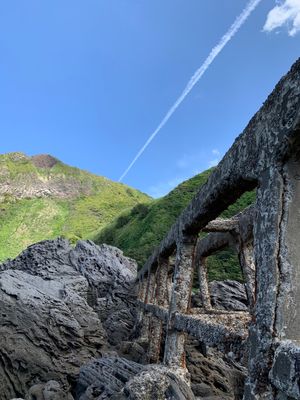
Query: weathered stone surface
{"points": [[115, 378], [211, 375], [285, 372], [51, 390], [228, 295], [158, 382], [112, 291], [135, 350], [47, 328], [50, 260], [100, 274], [46, 332], [105, 377], [224, 295]]}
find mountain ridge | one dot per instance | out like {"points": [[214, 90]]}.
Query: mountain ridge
{"points": [[42, 198]]}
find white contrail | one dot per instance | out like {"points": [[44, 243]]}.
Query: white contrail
{"points": [[240, 20]]}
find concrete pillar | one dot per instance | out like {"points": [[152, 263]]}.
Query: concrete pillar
{"points": [[288, 303], [203, 284], [149, 296], [142, 288], [180, 301], [246, 259], [161, 300], [267, 229]]}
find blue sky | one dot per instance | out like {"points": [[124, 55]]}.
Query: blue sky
{"points": [[88, 82]]}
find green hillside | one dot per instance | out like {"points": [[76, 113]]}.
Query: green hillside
{"points": [[138, 231], [42, 198]]}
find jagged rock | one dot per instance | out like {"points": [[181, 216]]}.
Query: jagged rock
{"points": [[100, 274], [134, 350], [50, 259], [51, 390], [47, 328], [228, 295], [111, 279], [157, 382], [212, 375], [45, 332], [105, 377], [116, 378], [225, 295]]}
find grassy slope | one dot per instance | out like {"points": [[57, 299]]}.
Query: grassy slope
{"points": [[138, 231], [28, 220]]}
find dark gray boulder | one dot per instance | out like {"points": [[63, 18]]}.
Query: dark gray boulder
{"points": [[112, 293], [115, 378], [157, 382], [105, 377], [46, 332]]}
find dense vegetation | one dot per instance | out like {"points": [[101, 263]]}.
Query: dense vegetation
{"points": [[138, 231], [84, 205], [80, 205]]}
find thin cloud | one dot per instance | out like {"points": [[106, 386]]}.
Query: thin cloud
{"points": [[213, 163], [286, 13], [240, 20], [165, 187]]}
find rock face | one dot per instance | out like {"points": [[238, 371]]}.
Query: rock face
{"points": [[48, 328], [46, 332], [212, 375], [225, 295], [111, 291], [228, 295]]}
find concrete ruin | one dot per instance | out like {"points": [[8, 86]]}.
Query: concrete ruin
{"points": [[266, 156]]}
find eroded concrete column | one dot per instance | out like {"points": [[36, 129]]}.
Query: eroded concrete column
{"points": [[203, 284], [248, 268], [180, 301], [160, 299], [267, 228], [288, 304], [142, 289], [149, 296]]}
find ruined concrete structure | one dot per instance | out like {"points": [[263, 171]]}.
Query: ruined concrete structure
{"points": [[266, 156]]}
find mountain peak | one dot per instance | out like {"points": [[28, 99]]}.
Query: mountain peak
{"points": [[44, 161]]}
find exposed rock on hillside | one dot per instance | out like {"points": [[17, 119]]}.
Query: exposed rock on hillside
{"points": [[44, 161]]}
